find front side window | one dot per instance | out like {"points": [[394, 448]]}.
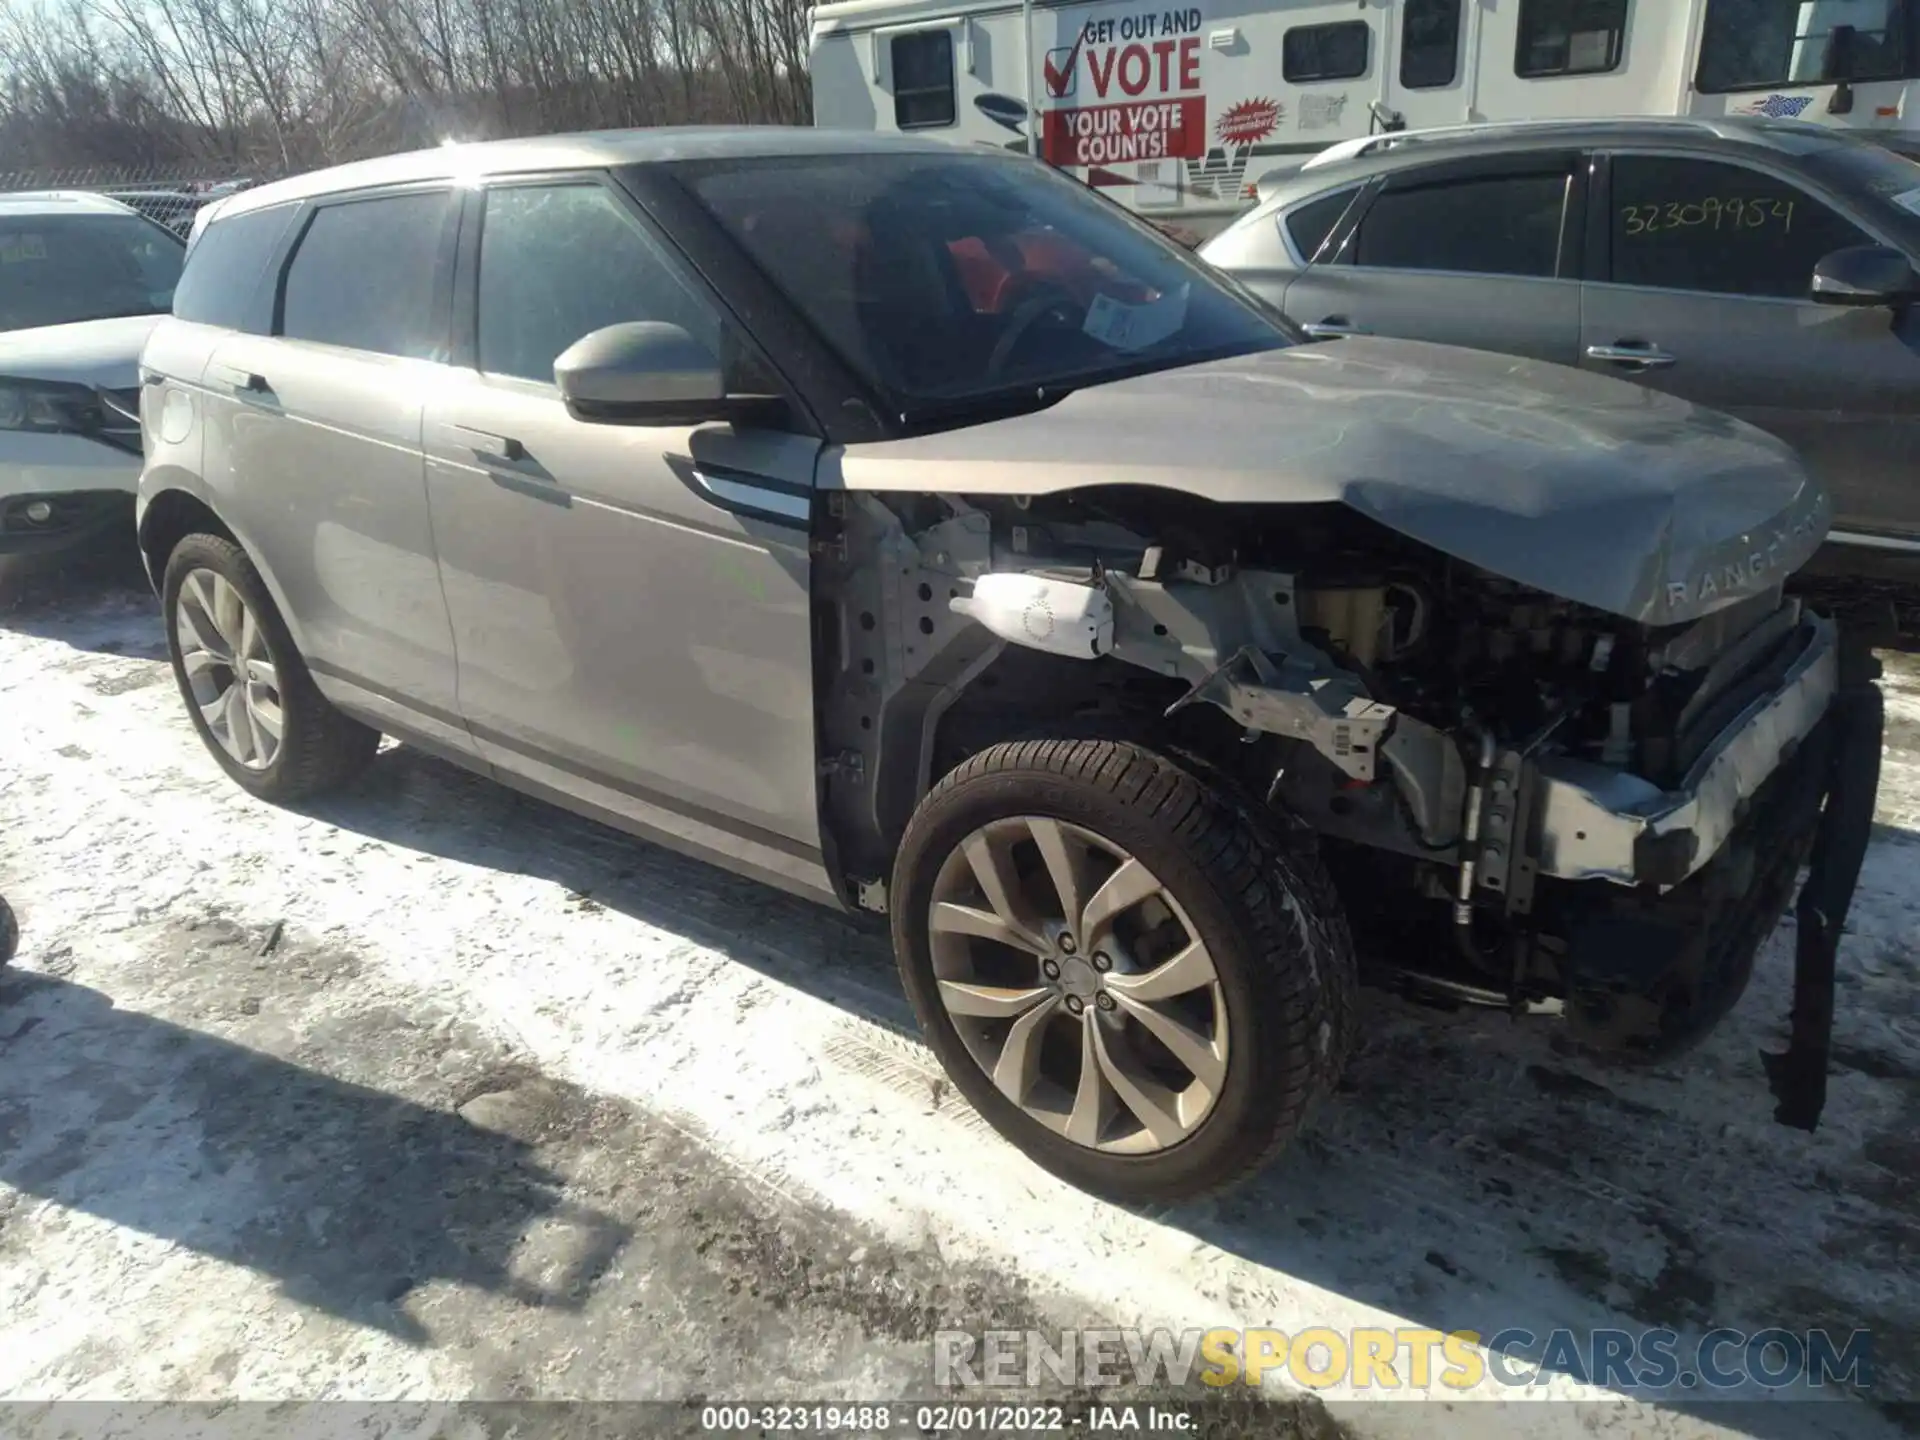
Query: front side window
{"points": [[366, 276], [225, 265], [1686, 224], [558, 262], [1752, 44], [60, 268], [1430, 44], [923, 80], [1570, 37], [940, 277], [1325, 52], [1499, 225]]}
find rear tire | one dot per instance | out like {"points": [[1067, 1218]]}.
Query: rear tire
{"points": [[317, 748], [1243, 1043]]}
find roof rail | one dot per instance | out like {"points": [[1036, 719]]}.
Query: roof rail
{"points": [[1365, 144]]}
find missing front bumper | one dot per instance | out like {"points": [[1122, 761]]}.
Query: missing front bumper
{"points": [[1597, 823]]}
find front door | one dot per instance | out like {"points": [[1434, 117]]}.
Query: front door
{"points": [[630, 603], [1478, 253], [1702, 293]]}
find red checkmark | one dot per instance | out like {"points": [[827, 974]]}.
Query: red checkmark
{"points": [[1060, 81]]}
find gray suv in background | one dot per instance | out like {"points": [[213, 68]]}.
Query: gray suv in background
{"points": [[903, 524], [1765, 268]]}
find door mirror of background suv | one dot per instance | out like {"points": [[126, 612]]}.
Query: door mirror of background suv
{"points": [[641, 372], [1865, 275]]}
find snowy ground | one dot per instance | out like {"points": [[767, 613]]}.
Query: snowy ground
{"points": [[435, 1092]]}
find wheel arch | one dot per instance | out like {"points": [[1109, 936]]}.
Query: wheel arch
{"points": [[180, 508]]}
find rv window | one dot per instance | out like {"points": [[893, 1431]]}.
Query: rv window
{"points": [[1502, 225], [1752, 44], [1570, 37], [1681, 224], [923, 80], [1430, 44], [1325, 52], [1309, 226]]}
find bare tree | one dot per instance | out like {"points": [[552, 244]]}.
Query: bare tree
{"points": [[275, 85]]}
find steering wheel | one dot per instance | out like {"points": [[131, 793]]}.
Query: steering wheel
{"points": [[1048, 300]]}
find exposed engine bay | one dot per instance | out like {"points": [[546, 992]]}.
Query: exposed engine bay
{"points": [[1527, 802]]}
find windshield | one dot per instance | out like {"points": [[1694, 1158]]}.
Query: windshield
{"points": [[1875, 169], [941, 278], [1752, 44], [55, 269]]}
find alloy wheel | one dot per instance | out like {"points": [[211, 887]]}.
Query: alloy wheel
{"points": [[223, 652], [1078, 984]]}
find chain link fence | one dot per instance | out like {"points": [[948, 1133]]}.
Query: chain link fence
{"points": [[172, 196]]}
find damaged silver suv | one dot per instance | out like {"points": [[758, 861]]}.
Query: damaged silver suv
{"points": [[907, 526]]}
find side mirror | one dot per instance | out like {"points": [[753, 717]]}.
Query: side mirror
{"points": [[642, 372], [1865, 275]]}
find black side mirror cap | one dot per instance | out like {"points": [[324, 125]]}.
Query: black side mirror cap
{"points": [[1865, 275]]}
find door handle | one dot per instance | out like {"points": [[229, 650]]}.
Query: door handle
{"points": [[1641, 354], [246, 381], [484, 443], [1333, 327]]}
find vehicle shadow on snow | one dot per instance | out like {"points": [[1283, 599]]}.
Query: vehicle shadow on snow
{"points": [[348, 1197], [1471, 1174], [85, 600]]}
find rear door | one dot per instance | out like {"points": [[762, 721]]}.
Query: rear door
{"points": [[1483, 253], [322, 449], [1701, 277], [630, 602]]}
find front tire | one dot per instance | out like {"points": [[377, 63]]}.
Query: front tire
{"points": [[1133, 978], [247, 690]]}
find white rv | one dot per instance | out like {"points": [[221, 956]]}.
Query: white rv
{"points": [[1178, 106]]}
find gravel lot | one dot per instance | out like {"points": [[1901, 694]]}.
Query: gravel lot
{"points": [[433, 1092]]}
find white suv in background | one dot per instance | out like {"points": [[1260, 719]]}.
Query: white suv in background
{"points": [[83, 279]]}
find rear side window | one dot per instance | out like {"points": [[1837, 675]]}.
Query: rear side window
{"points": [[366, 275], [1309, 226], [1325, 52], [923, 80], [1429, 44], [1685, 224], [1570, 37], [1500, 225], [225, 268]]}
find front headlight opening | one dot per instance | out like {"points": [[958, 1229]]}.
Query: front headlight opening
{"points": [[26, 406]]}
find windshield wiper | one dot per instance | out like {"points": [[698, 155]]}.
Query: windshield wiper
{"points": [[973, 409]]}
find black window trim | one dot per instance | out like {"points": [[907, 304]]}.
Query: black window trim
{"points": [[312, 205], [1619, 52], [1460, 28], [951, 89], [1600, 214], [1291, 79], [1910, 70], [1570, 258]]}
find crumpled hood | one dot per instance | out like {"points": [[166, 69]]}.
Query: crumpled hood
{"points": [[1594, 489], [87, 352]]}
